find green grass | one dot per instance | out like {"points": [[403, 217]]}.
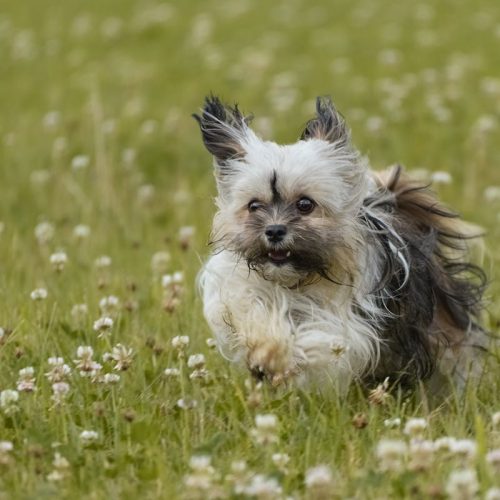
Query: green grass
{"points": [[125, 76]]}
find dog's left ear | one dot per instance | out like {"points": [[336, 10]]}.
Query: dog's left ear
{"points": [[328, 125], [223, 129]]}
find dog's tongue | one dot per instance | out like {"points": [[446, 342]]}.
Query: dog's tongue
{"points": [[279, 255]]}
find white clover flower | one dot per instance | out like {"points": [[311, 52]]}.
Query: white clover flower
{"points": [[109, 304], [493, 458], [160, 262], [88, 438], [26, 381], [202, 476], [263, 487], [462, 484], [281, 461], [415, 427], [59, 370], [492, 494], [495, 419], [58, 260], [80, 162], [60, 391], [172, 372], [39, 294], [81, 232], [421, 453], [6, 446], [464, 448], [392, 423], [319, 479], [44, 232], [178, 277], [391, 453], [166, 280], [445, 443], [86, 366], [211, 343], [55, 476], [196, 361], [180, 342], [186, 234], [441, 177], [103, 325], [103, 261], [187, 404], [265, 430], [79, 312], [8, 398], [145, 194], [111, 378], [121, 355]]}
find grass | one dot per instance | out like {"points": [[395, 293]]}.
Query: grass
{"points": [[116, 82]]}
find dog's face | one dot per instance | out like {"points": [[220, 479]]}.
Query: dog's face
{"points": [[286, 210]]}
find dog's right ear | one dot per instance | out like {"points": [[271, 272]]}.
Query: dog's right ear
{"points": [[223, 129]]}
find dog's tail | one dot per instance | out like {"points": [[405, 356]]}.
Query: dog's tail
{"points": [[436, 307]]}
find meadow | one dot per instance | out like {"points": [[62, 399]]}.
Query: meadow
{"points": [[110, 384]]}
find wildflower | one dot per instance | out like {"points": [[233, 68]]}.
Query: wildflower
{"points": [[111, 378], [44, 232], [441, 177], [80, 162], [84, 362], [202, 475], [51, 119], [26, 382], [186, 234], [464, 449], [39, 294], [265, 429], [263, 487], [5, 448], [8, 401], [109, 305], [103, 261], [180, 342], [415, 427], [211, 343], [281, 461], [60, 391], [495, 419], [379, 395], [79, 312], [392, 423], [187, 404], [171, 372], [196, 361], [145, 194], [493, 458], [88, 438], [239, 476], [445, 443], [160, 262], [58, 261], [103, 326], [121, 355], [59, 370], [492, 494], [421, 453], [462, 484], [319, 481], [391, 453], [81, 232]]}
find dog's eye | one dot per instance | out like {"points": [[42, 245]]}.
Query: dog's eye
{"points": [[254, 205], [305, 205]]}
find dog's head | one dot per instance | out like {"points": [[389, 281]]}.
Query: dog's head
{"points": [[287, 210]]}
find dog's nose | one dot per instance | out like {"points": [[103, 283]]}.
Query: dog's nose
{"points": [[276, 232]]}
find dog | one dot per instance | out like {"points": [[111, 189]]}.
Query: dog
{"points": [[324, 272]]}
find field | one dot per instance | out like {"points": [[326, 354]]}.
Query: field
{"points": [[105, 189]]}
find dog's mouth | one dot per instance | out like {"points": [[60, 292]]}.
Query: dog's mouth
{"points": [[279, 257]]}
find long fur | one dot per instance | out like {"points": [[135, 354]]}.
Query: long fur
{"points": [[378, 283]]}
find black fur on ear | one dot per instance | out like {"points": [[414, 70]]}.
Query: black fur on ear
{"points": [[328, 125], [223, 129]]}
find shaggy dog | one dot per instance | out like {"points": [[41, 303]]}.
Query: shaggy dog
{"points": [[324, 271]]}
